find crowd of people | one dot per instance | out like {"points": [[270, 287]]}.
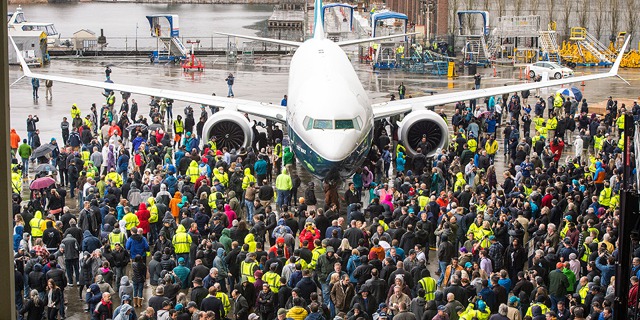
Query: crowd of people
{"points": [[218, 233]]}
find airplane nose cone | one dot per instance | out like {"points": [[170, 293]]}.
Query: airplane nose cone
{"points": [[335, 145]]}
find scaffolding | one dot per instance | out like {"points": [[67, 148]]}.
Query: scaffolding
{"points": [[475, 49], [515, 40], [587, 42]]}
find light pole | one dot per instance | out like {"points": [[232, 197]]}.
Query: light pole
{"points": [[136, 37]]}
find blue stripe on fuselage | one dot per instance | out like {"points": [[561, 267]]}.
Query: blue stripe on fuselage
{"points": [[324, 169]]}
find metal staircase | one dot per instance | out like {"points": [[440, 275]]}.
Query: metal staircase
{"points": [[591, 44], [549, 46], [476, 50]]}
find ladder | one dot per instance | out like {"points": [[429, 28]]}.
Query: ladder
{"points": [[549, 45], [476, 50]]}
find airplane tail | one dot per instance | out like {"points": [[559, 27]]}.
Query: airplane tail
{"points": [[318, 17]]}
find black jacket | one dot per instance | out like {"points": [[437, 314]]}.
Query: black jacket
{"points": [[212, 304]]}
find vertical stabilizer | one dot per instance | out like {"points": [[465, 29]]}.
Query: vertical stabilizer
{"points": [[318, 27]]}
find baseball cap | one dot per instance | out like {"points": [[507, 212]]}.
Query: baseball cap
{"points": [[282, 311], [253, 316], [192, 304], [442, 308], [468, 265]]}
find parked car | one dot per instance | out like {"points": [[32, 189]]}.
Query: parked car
{"points": [[554, 70]]}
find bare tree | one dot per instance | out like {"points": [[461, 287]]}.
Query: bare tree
{"points": [[567, 9], [502, 7], [615, 16], [517, 6], [535, 5], [551, 5], [633, 20], [583, 10], [601, 8], [453, 18]]}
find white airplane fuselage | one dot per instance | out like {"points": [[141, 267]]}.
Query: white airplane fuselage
{"points": [[329, 114]]}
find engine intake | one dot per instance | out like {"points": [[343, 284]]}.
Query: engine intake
{"points": [[231, 129], [423, 122]]}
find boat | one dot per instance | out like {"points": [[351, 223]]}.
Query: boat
{"points": [[17, 21]]}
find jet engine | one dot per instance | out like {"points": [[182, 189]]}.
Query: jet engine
{"points": [[231, 129], [420, 123]]}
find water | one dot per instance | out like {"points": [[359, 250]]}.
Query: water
{"points": [[122, 21]]}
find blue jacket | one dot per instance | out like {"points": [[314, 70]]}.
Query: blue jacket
{"points": [[607, 271], [137, 245], [183, 273], [89, 242], [137, 142], [172, 183], [260, 167], [400, 161]]}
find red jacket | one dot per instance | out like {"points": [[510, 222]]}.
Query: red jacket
{"points": [[309, 236], [556, 149], [143, 216]]}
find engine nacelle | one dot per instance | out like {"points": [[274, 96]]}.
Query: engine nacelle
{"points": [[423, 122], [231, 129]]}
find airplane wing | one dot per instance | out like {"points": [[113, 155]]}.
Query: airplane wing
{"points": [[390, 108], [276, 41], [260, 109]]}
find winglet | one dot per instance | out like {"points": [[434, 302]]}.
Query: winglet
{"points": [[616, 65], [23, 63]]}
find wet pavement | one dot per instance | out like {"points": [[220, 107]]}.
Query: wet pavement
{"points": [[265, 79]]}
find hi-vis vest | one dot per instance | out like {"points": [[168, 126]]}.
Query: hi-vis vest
{"points": [[273, 279], [429, 286], [179, 126], [587, 253], [246, 269], [181, 242], [116, 238]]}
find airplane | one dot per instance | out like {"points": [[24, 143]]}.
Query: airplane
{"points": [[330, 117]]}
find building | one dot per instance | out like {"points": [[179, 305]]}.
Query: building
{"points": [[84, 40], [418, 10], [32, 45], [287, 21]]}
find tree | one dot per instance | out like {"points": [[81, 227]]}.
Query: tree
{"points": [[615, 17], [517, 6], [601, 9], [551, 4], [633, 20], [583, 10], [567, 10], [535, 5]]}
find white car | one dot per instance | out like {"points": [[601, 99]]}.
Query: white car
{"points": [[554, 70]]}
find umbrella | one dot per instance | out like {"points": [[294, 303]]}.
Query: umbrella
{"points": [[485, 114], [571, 92], [155, 126], [136, 125], [43, 150], [46, 167], [42, 183]]}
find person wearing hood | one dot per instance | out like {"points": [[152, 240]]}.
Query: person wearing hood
{"points": [[125, 289], [125, 311], [36, 231], [231, 215], [182, 243], [93, 297], [225, 239], [155, 269], [89, 242], [223, 269], [175, 205], [193, 171], [400, 162], [137, 244], [366, 300], [182, 272], [460, 182], [284, 185], [143, 219], [249, 239], [357, 312]]}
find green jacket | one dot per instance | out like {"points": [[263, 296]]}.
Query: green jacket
{"points": [[24, 150], [558, 283], [287, 158]]}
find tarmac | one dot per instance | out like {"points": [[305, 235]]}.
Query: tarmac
{"points": [[264, 79]]}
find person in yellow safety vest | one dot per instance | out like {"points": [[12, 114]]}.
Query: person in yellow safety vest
{"points": [[249, 239], [153, 210], [85, 155], [16, 181], [223, 297], [193, 171], [316, 253], [621, 142], [429, 285], [400, 148], [620, 123], [223, 177], [116, 237], [277, 150], [472, 144], [249, 266], [482, 311], [584, 289], [115, 177], [423, 200], [476, 227], [552, 125], [540, 303], [248, 178], [36, 231], [272, 278], [598, 141], [111, 99], [213, 198], [605, 195], [75, 111], [178, 130], [87, 121], [131, 220], [587, 250], [181, 241], [460, 182], [213, 146], [615, 201], [557, 103], [538, 122]]}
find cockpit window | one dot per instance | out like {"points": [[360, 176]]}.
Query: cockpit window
{"points": [[307, 123], [344, 124], [323, 124]]}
